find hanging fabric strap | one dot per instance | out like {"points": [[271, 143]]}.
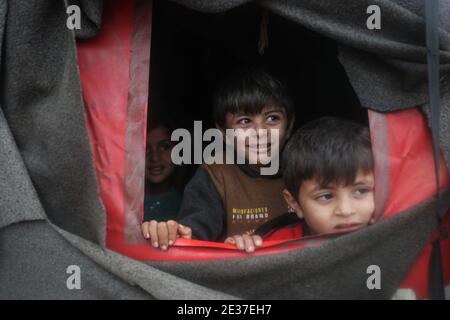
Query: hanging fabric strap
{"points": [[263, 42], [435, 276]]}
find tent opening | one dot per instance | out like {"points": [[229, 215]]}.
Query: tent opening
{"points": [[191, 51]]}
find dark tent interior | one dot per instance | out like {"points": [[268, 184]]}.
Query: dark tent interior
{"points": [[192, 50]]}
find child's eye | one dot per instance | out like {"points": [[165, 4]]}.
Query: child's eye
{"points": [[244, 121], [273, 118], [324, 197], [362, 191], [165, 146]]}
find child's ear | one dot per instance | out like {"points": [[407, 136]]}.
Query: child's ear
{"points": [[292, 203]]}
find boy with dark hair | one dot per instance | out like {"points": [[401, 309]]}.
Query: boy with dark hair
{"points": [[328, 173], [230, 201]]}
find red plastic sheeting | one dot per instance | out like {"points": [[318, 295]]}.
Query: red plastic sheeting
{"points": [[401, 142], [404, 177], [115, 91]]}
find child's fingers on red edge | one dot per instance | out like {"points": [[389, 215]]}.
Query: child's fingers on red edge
{"points": [[257, 240], [172, 227]]}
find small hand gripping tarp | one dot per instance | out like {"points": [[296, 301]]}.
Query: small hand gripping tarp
{"points": [[114, 72]]}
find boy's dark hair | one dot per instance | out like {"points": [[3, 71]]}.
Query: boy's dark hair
{"points": [[327, 149], [249, 91]]}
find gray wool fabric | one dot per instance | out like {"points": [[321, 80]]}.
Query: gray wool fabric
{"points": [[91, 17], [51, 215], [335, 270]]}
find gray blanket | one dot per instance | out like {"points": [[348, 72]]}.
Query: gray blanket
{"points": [[51, 216]]}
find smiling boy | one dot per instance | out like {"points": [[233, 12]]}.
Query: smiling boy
{"points": [[230, 201]]}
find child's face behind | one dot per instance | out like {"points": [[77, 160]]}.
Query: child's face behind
{"points": [[159, 163], [335, 208], [259, 145]]}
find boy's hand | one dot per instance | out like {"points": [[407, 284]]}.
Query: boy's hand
{"points": [[163, 234], [245, 242]]}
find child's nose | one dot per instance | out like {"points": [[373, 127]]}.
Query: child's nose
{"points": [[154, 156], [261, 130], [344, 208]]}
